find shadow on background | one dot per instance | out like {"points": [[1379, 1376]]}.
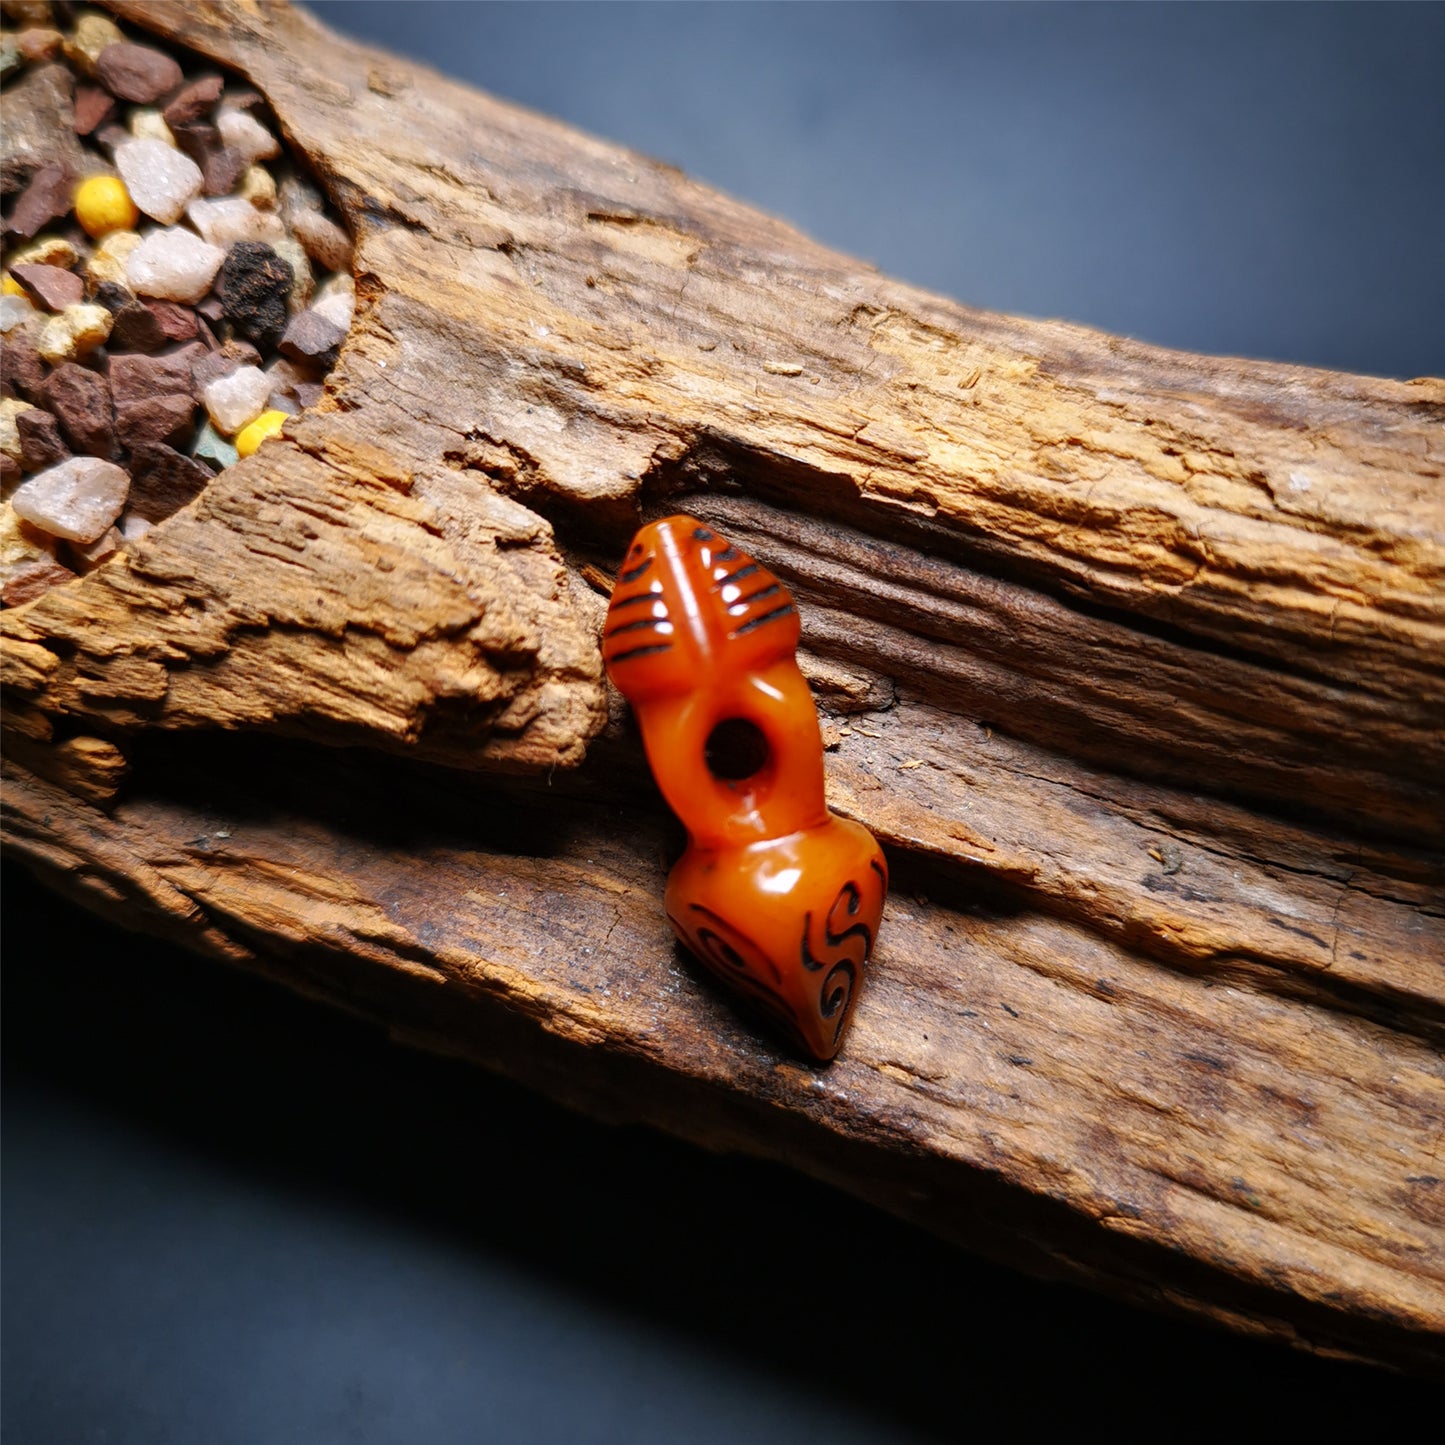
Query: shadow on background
{"points": [[1250, 180]]}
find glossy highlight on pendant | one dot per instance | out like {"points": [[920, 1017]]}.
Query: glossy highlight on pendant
{"points": [[777, 896]]}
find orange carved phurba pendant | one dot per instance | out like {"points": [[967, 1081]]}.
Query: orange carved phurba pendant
{"points": [[780, 898]]}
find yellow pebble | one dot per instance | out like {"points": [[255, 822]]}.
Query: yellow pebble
{"points": [[107, 261], [147, 123], [46, 251], [258, 187], [77, 330], [102, 205], [93, 32], [265, 425], [11, 287]]}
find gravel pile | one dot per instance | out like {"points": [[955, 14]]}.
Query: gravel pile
{"points": [[173, 287]]}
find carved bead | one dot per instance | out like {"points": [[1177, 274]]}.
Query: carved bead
{"points": [[776, 895]]}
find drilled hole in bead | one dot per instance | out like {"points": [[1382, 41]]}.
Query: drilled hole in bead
{"points": [[736, 750]]}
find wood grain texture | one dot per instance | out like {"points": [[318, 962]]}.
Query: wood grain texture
{"points": [[1134, 661]]}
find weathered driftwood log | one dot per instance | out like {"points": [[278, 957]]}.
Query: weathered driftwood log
{"points": [[1135, 661]]}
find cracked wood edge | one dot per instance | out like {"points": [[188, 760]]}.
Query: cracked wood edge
{"points": [[316, 594], [1018, 1081], [1185, 879]]}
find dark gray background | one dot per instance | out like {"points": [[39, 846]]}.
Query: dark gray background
{"points": [[1262, 181], [234, 1218]]}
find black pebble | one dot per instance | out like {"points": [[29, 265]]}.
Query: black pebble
{"points": [[112, 296], [253, 286]]}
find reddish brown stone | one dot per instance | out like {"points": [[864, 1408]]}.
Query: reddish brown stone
{"points": [[52, 287], [163, 481], [193, 351], [10, 472], [22, 372], [286, 375], [211, 308], [145, 325], [113, 296], [137, 72], [39, 42], [46, 196], [136, 328], [308, 393], [33, 579], [38, 125], [156, 419], [40, 441], [177, 322], [80, 400], [198, 139], [197, 100], [136, 378], [312, 338], [222, 169], [88, 558], [93, 108]]}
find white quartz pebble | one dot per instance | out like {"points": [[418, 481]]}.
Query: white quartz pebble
{"points": [[341, 281], [77, 499], [14, 310], [222, 223], [160, 179], [338, 308], [174, 266], [325, 242], [246, 134], [237, 400]]}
